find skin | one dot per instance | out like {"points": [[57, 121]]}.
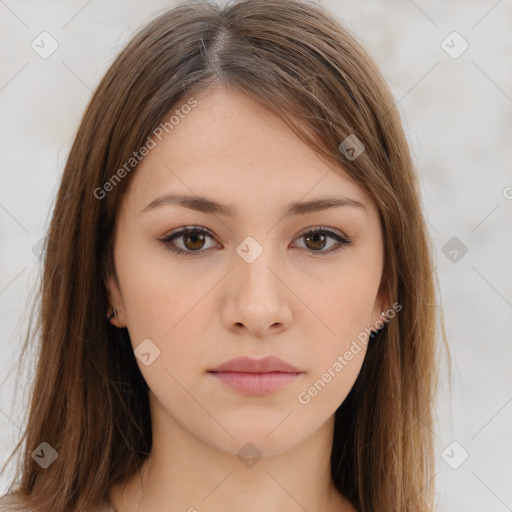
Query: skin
{"points": [[293, 302]]}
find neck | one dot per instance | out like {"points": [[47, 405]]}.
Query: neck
{"points": [[183, 473]]}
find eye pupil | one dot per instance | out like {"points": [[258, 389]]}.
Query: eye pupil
{"points": [[316, 236]]}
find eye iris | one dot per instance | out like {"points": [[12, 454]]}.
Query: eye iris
{"points": [[315, 237], [194, 236]]}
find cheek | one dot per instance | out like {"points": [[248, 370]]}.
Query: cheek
{"points": [[334, 361], [343, 304], [143, 295], [167, 306], [161, 308], [326, 390], [152, 288], [337, 337]]}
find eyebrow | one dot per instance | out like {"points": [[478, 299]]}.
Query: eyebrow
{"points": [[206, 205]]}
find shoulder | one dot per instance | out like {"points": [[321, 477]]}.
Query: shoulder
{"points": [[15, 503]]}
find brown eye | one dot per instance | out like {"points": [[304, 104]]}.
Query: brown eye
{"points": [[192, 239], [316, 239]]}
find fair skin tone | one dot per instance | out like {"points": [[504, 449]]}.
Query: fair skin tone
{"points": [[295, 300]]}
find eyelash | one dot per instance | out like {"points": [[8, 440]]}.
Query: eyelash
{"points": [[168, 240]]}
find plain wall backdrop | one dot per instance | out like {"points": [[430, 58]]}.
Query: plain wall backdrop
{"points": [[448, 64]]}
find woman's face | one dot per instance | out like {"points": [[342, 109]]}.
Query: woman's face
{"points": [[252, 281]]}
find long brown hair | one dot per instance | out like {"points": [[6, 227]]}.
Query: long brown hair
{"points": [[89, 401]]}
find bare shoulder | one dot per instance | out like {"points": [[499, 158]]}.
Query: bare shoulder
{"points": [[13, 503]]}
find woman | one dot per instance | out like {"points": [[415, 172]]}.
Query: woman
{"points": [[238, 282]]}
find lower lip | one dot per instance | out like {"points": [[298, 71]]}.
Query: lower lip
{"points": [[255, 383]]}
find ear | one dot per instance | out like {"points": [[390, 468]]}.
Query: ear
{"points": [[381, 305], [116, 299]]}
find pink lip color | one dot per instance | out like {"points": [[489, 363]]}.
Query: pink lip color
{"points": [[255, 376], [255, 383]]}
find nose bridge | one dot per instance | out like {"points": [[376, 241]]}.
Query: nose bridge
{"points": [[256, 258]]}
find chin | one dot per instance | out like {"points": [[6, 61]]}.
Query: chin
{"points": [[250, 437], [255, 445]]}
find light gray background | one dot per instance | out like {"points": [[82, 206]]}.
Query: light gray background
{"points": [[458, 116]]}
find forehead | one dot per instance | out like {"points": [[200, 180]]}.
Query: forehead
{"points": [[231, 148]]}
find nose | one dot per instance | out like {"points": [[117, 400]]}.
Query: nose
{"points": [[257, 298]]}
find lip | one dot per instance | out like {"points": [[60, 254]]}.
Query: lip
{"points": [[250, 365], [255, 376]]}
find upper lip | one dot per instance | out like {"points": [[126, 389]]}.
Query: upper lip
{"points": [[251, 365]]}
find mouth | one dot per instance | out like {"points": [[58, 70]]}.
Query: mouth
{"points": [[255, 376]]}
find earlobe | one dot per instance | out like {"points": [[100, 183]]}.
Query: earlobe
{"points": [[380, 310], [112, 315], [115, 313]]}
